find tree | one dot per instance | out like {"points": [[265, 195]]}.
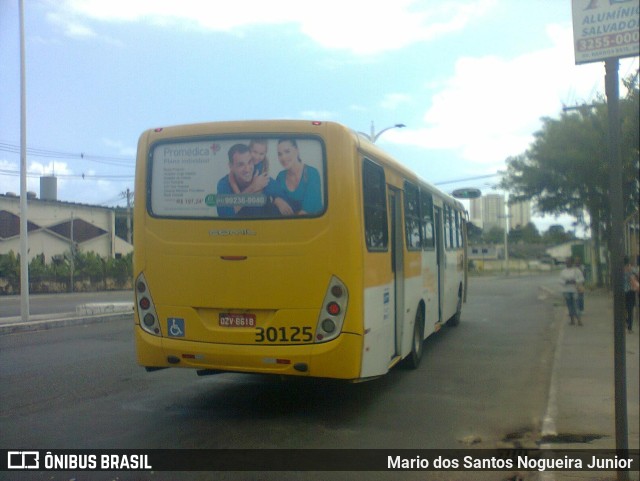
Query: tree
{"points": [[566, 171], [10, 271], [495, 235], [527, 235], [474, 233], [557, 235]]}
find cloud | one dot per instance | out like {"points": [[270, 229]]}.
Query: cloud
{"points": [[9, 182], [38, 169], [392, 101], [69, 26], [490, 107], [10, 178], [386, 26], [358, 108], [51, 168], [360, 26]]}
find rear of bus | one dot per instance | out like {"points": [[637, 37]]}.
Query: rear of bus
{"points": [[224, 280]]}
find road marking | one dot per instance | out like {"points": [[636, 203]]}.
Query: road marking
{"points": [[549, 422], [549, 427]]}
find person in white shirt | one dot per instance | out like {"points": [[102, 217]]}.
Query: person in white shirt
{"points": [[571, 278]]}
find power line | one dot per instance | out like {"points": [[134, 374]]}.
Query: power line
{"points": [[119, 197], [468, 178], [15, 173], [38, 152]]}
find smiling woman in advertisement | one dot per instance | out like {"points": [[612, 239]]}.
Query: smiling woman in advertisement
{"points": [[296, 190]]}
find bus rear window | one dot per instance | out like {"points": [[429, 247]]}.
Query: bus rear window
{"points": [[241, 177]]}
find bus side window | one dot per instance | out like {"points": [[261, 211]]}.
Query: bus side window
{"points": [[452, 217], [461, 226], [447, 227], [412, 216], [426, 224], [375, 206]]}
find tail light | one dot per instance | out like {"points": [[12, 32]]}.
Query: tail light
{"points": [[146, 310], [334, 308]]}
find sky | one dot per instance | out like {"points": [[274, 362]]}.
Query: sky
{"points": [[470, 79]]}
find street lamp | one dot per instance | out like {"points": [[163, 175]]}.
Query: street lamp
{"points": [[373, 136], [506, 217]]}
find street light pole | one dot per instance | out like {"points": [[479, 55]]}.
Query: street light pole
{"points": [[24, 223], [506, 244], [506, 217], [373, 136]]}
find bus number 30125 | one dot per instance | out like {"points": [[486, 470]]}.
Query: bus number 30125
{"points": [[284, 334]]}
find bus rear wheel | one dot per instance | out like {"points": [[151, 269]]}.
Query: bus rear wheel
{"points": [[412, 361], [455, 320]]}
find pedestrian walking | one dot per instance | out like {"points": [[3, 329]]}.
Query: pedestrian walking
{"points": [[631, 287], [577, 262], [571, 277]]}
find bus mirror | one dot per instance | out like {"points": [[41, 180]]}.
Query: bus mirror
{"points": [[466, 193]]}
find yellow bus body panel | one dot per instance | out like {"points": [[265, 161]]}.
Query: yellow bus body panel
{"points": [[338, 359]]}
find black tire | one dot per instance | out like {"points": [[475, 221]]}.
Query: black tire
{"points": [[412, 361], [455, 320]]}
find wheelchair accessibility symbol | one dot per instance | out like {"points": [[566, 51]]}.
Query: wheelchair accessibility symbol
{"points": [[175, 327]]}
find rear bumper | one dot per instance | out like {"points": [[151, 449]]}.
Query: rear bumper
{"points": [[340, 358]]}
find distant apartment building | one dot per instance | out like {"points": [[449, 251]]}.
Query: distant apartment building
{"points": [[488, 212], [519, 214], [475, 212]]}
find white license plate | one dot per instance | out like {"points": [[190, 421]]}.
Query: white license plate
{"points": [[237, 320]]}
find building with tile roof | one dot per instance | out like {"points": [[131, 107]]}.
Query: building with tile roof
{"points": [[55, 228]]}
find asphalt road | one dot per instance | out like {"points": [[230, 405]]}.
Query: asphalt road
{"points": [[480, 385]]}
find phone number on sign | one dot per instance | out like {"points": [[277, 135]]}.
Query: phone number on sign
{"points": [[188, 201], [606, 41]]}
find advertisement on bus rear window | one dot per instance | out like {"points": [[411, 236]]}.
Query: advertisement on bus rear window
{"points": [[238, 178]]}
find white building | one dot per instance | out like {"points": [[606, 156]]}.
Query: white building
{"points": [[475, 212], [519, 214], [52, 226], [488, 211]]}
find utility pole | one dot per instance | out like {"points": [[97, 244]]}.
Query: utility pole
{"points": [[586, 49], [616, 247], [506, 217]]}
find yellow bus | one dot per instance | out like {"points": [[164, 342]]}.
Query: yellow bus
{"points": [[291, 248]]}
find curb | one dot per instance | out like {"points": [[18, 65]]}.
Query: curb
{"points": [[64, 322], [96, 308]]}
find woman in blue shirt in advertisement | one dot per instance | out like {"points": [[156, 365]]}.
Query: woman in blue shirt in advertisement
{"points": [[296, 190]]}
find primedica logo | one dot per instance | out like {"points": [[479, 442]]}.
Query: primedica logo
{"points": [[23, 460]]}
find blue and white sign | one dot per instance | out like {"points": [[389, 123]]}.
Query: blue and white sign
{"points": [[175, 327], [605, 29]]}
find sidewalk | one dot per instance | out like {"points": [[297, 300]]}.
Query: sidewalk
{"points": [[581, 409], [89, 313]]}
